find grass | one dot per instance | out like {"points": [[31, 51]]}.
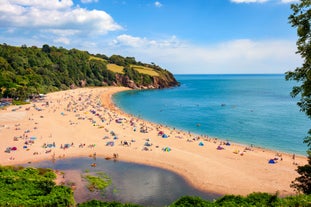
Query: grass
{"points": [[97, 58], [145, 70], [99, 182], [141, 69], [115, 68]]}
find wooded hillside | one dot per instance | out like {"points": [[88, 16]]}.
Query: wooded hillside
{"points": [[25, 71]]}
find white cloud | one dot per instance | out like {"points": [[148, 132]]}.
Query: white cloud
{"points": [[55, 15], [289, 1], [263, 1], [88, 1], [130, 41], [248, 1], [157, 4], [236, 56], [62, 40]]}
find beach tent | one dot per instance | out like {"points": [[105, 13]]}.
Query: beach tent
{"points": [[8, 150], [111, 144], [201, 144], [166, 149], [220, 147], [66, 146], [271, 161], [164, 136], [228, 143], [14, 148], [119, 120], [33, 138], [145, 149], [160, 133], [148, 144], [50, 145]]}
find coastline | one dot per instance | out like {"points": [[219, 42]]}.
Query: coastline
{"points": [[86, 117]]}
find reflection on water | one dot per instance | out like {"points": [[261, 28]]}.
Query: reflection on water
{"points": [[131, 183]]}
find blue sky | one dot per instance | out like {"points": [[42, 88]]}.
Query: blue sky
{"points": [[183, 36]]}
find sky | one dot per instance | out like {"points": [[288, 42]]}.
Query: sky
{"points": [[182, 36]]}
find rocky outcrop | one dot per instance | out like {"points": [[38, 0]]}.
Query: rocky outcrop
{"points": [[158, 82]]}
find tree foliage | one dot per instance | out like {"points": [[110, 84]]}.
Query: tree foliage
{"points": [[25, 71], [252, 200], [32, 187], [21, 186], [301, 19]]}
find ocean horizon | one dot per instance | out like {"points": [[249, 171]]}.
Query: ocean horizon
{"points": [[250, 109]]}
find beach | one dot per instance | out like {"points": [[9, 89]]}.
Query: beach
{"points": [[85, 122]]}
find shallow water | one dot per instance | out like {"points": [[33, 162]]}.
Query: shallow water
{"points": [[134, 183], [249, 109]]}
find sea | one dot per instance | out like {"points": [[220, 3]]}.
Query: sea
{"points": [[247, 109]]}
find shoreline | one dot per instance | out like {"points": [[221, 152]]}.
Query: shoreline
{"points": [[86, 117]]}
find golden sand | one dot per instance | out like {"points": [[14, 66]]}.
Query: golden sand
{"points": [[81, 122]]}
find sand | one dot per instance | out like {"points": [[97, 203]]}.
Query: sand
{"points": [[80, 122]]}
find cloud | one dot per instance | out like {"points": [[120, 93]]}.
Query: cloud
{"points": [[248, 1], [157, 4], [263, 1], [39, 16], [236, 56], [88, 1], [137, 42], [289, 1]]}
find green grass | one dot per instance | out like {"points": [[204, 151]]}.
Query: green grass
{"points": [[97, 58], [141, 69], [99, 182], [145, 70], [115, 68]]}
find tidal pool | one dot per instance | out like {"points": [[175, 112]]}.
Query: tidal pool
{"points": [[131, 183]]}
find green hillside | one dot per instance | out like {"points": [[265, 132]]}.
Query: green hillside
{"points": [[25, 71]]}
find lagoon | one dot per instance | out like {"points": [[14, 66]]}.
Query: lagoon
{"points": [[134, 183]]}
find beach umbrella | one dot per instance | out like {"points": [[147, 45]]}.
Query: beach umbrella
{"points": [[33, 138], [14, 148]]}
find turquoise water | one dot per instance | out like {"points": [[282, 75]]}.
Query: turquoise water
{"points": [[249, 109]]}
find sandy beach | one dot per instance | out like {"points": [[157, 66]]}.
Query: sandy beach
{"points": [[85, 122]]}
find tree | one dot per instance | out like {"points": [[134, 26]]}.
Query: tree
{"points": [[300, 19]]}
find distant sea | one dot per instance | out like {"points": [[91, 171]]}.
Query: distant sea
{"points": [[247, 109]]}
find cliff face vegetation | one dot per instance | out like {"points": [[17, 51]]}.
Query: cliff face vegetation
{"points": [[25, 71]]}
